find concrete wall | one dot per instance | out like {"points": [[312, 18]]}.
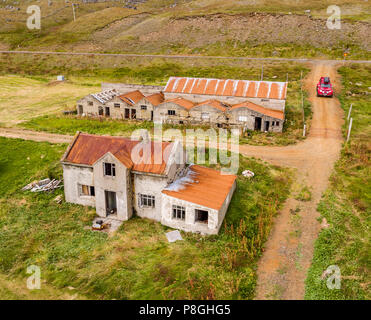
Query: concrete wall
{"points": [[149, 185], [119, 184], [215, 115], [144, 114], [161, 113], [189, 224], [125, 88], [72, 177], [234, 116], [89, 110], [224, 208]]}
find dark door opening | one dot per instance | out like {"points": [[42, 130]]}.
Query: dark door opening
{"points": [[111, 206], [202, 216], [107, 112], [151, 115], [81, 111], [133, 113], [266, 125], [258, 124], [100, 111], [127, 113]]}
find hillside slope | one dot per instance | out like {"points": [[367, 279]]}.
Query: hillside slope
{"points": [[237, 28]]}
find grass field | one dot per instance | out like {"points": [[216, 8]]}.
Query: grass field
{"points": [[347, 203], [136, 262], [23, 98]]}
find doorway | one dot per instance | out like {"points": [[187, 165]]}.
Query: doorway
{"points": [[127, 113], [107, 112], [151, 115], [258, 124], [266, 125], [111, 206], [133, 113], [81, 111]]}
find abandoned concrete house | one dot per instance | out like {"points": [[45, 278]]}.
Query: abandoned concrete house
{"points": [[252, 105], [100, 171]]}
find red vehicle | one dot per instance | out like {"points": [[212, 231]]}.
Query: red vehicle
{"points": [[324, 87]]}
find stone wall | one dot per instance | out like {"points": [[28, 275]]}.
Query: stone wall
{"points": [[125, 88]]}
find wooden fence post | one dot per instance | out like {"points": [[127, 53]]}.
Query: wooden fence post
{"points": [[350, 128]]}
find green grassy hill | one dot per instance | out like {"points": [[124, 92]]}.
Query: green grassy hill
{"points": [[209, 27]]}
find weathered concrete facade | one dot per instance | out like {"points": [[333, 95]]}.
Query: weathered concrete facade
{"points": [[110, 182], [171, 112], [253, 120]]}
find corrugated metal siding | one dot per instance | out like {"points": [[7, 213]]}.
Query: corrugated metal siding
{"points": [[210, 188], [237, 88]]}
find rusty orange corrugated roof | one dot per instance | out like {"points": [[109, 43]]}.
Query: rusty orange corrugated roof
{"points": [[213, 103], [182, 102], [156, 98], [209, 187], [86, 149], [268, 112], [132, 97], [236, 88]]}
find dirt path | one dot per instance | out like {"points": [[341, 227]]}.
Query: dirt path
{"points": [[289, 249], [35, 135], [169, 56]]}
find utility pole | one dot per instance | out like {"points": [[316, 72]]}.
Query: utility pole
{"points": [[302, 102], [73, 10]]}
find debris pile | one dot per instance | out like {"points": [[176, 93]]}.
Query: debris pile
{"points": [[248, 173], [45, 185]]}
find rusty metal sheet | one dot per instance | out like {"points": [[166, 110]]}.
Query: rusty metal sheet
{"points": [[209, 188]]}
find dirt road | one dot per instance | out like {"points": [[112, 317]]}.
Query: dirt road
{"points": [[289, 249], [34, 135], [169, 56]]}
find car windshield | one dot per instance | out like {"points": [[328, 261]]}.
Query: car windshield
{"points": [[325, 85]]}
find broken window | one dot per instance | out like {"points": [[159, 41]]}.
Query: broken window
{"points": [[201, 216], [273, 122], [171, 112], [86, 190], [178, 212], [277, 123], [90, 103], [143, 107], [146, 200], [205, 116], [109, 169], [116, 105]]}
